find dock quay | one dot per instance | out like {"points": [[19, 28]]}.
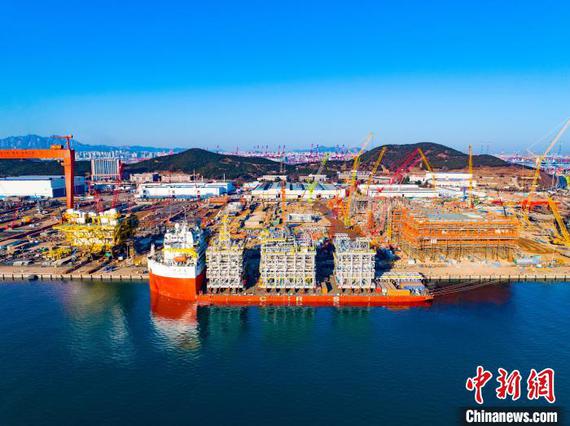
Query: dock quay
{"points": [[83, 277], [433, 279]]}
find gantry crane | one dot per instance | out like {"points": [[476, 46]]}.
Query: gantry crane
{"points": [[58, 152]]}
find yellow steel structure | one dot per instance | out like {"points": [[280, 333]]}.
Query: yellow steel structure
{"points": [[352, 183], [96, 232], [375, 169], [561, 225]]}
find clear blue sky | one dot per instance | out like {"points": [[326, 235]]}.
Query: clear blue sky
{"points": [[205, 73]]}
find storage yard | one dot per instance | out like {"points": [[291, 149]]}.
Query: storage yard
{"points": [[345, 235]]}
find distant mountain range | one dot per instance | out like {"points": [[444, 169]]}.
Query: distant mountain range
{"points": [[44, 142]]}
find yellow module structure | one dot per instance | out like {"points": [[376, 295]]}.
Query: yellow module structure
{"points": [[96, 232]]}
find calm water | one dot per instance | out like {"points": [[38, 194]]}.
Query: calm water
{"points": [[96, 353]]}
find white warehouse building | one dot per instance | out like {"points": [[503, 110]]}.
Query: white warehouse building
{"points": [[403, 190], [184, 189], [38, 186], [296, 191], [445, 180]]}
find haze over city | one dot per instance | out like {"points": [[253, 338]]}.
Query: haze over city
{"points": [[198, 75]]}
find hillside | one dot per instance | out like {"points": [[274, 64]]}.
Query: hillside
{"points": [[440, 157], [39, 168], [208, 164]]}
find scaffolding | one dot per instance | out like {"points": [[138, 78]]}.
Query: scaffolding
{"points": [[287, 262], [225, 261], [432, 236], [354, 263], [96, 232]]}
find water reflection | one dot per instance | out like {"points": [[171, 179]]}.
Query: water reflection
{"points": [[98, 313], [176, 322], [496, 294]]}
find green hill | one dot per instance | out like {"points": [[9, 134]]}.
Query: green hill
{"points": [[440, 157], [208, 164], [39, 168]]}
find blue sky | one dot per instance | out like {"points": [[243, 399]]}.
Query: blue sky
{"points": [[294, 72]]}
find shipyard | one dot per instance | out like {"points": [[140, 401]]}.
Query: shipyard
{"points": [[379, 229]]}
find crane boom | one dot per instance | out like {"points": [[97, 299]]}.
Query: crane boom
{"points": [[354, 174], [428, 165], [313, 184], [561, 225], [374, 169], [540, 159], [471, 178]]}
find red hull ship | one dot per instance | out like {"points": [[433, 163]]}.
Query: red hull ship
{"points": [[180, 273]]}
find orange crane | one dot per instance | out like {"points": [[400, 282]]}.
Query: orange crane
{"points": [[65, 155]]}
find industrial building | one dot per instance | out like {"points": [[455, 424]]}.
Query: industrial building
{"points": [[106, 169], [296, 191], [184, 190], [428, 235], [403, 190], [445, 180], [354, 263], [287, 263], [148, 177], [38, 186]]}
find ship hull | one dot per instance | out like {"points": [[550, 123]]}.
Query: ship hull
{"points": [[313, 300], [181, 283]]}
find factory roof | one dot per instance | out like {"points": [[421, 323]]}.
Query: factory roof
{"points": [[39, 177]]}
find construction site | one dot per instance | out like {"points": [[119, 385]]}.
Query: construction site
{"points": [[358, 233]]}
